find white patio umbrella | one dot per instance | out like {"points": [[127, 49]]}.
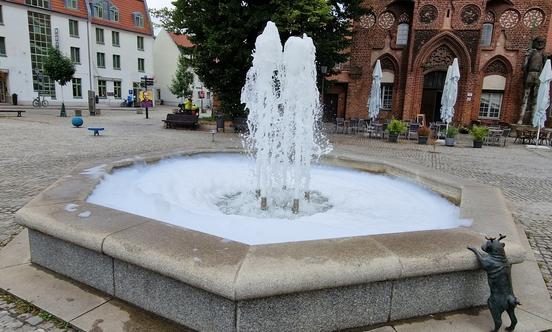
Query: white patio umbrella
{"points": [[374, 102], [450, 92], [543, 98]]}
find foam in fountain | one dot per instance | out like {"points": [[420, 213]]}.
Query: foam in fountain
{"points": [[214, 194], [283, 102]]}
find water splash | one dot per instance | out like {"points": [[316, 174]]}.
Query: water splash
{"points": [[284, 116]]}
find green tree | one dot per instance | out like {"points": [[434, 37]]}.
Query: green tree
{"points": [[224, 34], [183, 79], [61, 69]]}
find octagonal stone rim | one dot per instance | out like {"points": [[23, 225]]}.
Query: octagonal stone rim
{"points": [[238, 271]]}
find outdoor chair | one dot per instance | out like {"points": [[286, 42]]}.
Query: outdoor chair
{"points": [[339, 125], [362, 125], [505, 134], [494, 137], [413, 131], [545, 137], [353, 125]]}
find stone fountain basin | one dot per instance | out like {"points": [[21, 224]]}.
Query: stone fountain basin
{"points": [[212, 284]]}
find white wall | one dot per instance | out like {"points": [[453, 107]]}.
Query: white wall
{"points": [[18, 59], [129, 55], [165, 56]]}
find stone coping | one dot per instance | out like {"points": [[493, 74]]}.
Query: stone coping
{"points": [[238, 271]]}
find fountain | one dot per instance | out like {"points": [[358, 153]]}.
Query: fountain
{"points": [[283, 102], [271, 243]]}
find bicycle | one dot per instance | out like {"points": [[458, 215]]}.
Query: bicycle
{"points": [[38, 103]]}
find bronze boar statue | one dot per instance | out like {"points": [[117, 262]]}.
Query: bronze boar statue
{"points": [[493, 260]]}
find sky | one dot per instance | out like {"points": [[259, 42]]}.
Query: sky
{"points": [[158, 4]]}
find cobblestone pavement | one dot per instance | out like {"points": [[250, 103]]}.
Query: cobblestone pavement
{"points": [[12, 320], [40, 147]]}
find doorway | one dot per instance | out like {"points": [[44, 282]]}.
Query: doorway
{"points": [[3, 88], [330, 107], [431, 97]]}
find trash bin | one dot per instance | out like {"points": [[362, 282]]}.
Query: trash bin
{"points": [[220, 122], [14, 98]]}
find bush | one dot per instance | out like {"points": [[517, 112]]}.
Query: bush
{"points": [[424, 131], [479, 133], [451, 132], [397, 127]]}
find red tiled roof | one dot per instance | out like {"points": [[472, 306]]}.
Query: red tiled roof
{"points": [[59, 6], [181, 40], [126, 9], [126, 19]]}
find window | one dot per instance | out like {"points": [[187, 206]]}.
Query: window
{"points": [[491, 102], [75, 54], [102, 89], [114, 14], [40, 38], [386, 96], [100, 57], [2, 46], [115, 38], [72, 4], [1, 16], [77, 87], [38, 3], [140, 43], [402, 34], [99, 36], [140, 64], [73, 28], [116, 61], [138, 20], [99, 10], [486, 34], [117, 89]]}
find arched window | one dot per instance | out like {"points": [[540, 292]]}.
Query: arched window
{"points": [[486, 34], [402, 34], [114, 14], [491, 97], [387, 82]]}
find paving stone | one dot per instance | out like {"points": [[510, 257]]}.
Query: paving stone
{"points": [[35, 320]]}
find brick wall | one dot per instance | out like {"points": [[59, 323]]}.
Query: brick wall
{"points": [[457, 25]]}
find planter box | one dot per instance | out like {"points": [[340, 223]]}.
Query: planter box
{"points": [[478, 144], [449, 141], [422, 140], [393, 138]]}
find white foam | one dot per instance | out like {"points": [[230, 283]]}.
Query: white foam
{"points": [[185, 192], [71, 207]]}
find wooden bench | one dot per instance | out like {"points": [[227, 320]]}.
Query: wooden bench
{"points": [[181, 119], [13, 111], [96, 130]]}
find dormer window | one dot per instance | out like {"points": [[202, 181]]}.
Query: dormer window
{"points": [[138, 20], [99, 10], [72, 4], [114, 14]]}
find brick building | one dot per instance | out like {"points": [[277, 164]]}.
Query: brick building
{"points": [[416, 40]]}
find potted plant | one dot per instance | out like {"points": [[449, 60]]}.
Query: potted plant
{"points": [[395, 128], [450, 135], [423, 134], [479, 133]]}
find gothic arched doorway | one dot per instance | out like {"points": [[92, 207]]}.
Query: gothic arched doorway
{"points": [[431, 98]]}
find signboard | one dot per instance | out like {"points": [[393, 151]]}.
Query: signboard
{"points": [[146, 98], [56, 37], [201, 94]]}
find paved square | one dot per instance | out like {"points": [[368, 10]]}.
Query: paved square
{"points": [[40, 147]]}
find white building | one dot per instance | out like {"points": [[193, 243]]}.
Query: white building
{"points": [[166, 51], [110, 41]]}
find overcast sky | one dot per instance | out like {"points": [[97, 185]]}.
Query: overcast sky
{"points": [[158, 4]]}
